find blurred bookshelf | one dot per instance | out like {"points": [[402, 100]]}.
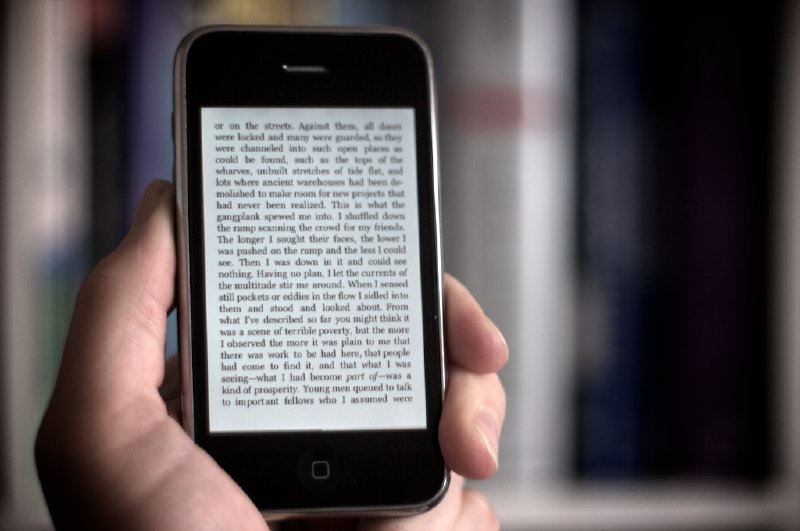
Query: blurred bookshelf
{"points": [[597, 158]]}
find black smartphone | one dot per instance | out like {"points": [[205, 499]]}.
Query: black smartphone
{"points": [[310, 290]]}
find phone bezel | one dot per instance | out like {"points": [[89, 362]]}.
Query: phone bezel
{"points": [[394, 470]]}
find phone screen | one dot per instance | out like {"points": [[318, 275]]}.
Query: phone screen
{"points": [[312, 269]]}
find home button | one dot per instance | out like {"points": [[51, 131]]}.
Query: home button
{"points": [[319, 469]]}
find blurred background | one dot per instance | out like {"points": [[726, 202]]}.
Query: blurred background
{"points": [[621, 192]]}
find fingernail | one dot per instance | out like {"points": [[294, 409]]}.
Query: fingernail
{"points": [[150, 200], [503, 339], [489, 431]]}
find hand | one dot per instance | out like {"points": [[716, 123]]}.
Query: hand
{"points": [[110, 456]]}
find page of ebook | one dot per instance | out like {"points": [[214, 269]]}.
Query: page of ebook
{"points": [[314, 317]]}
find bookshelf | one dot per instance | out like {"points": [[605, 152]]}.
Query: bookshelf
{"points": [[507, 90], [44, 222]]}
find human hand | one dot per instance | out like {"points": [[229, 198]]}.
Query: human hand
{"points": [[110, 456]]}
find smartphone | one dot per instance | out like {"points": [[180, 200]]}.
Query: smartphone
{"points": [[310, 290]]}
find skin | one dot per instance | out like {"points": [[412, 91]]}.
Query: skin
{"points": [[111, 455]]}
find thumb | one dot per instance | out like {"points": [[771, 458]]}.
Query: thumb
{"points": [[115, 346], [108, 455]]}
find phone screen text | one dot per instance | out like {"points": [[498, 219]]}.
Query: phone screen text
{"points": [[312, 269]]}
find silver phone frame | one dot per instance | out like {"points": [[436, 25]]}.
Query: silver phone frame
{"points": [[184, 279]]}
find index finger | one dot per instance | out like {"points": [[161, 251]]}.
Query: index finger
{"points": [[473, 340]]}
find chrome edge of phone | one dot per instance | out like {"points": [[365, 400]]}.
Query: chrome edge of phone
{"points": [[182, 233]]}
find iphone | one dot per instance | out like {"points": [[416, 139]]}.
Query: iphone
{"points": [[310, 289]]}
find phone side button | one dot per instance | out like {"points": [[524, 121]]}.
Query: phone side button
{"points": [[319, 469]]}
